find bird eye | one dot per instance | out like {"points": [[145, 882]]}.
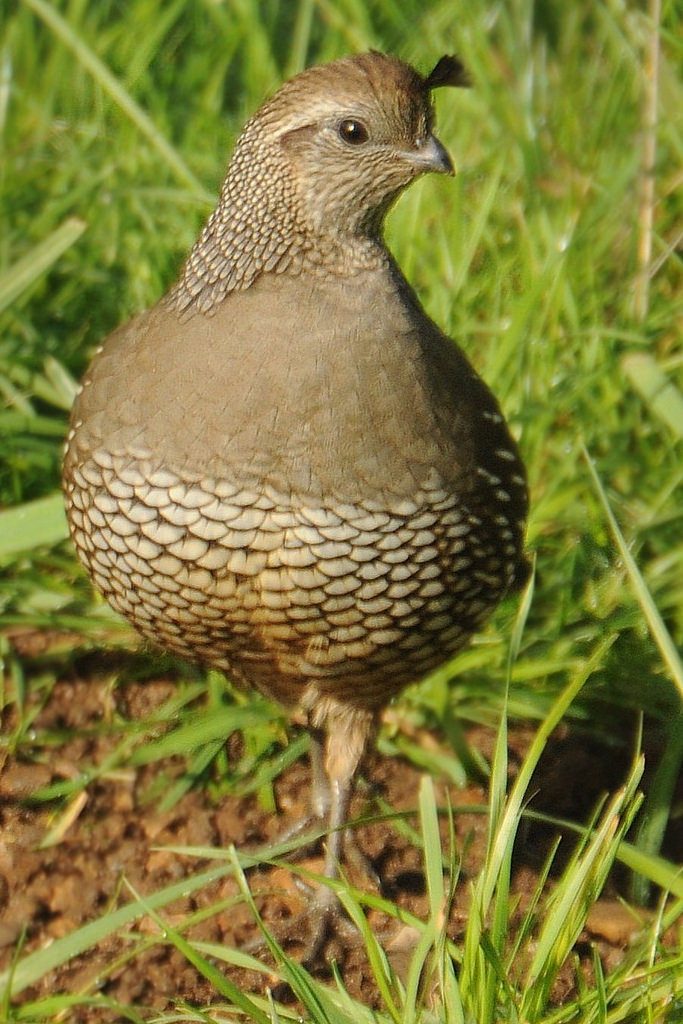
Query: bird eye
{"points": [[352, 131]]}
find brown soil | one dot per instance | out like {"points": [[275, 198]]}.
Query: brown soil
{"points": [[49, 891]]}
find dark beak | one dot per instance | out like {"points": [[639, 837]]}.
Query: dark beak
{"points": [[433, 156]]}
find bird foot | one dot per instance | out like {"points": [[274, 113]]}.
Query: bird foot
{"points": [[358, 860], [310, 930], [327, 918]]}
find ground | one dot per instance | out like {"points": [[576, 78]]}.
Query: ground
{"points": [[117, 833]]}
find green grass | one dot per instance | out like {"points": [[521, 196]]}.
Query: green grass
{"points": [[116, 121]]}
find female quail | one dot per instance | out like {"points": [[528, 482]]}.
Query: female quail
{"points": [[285, 469]]}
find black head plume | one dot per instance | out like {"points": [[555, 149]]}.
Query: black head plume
{"points": [[450, 70]]}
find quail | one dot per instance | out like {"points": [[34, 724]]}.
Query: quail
{"points": [[285, 469]]}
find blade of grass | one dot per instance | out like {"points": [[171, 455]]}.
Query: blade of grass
{"points": [[223, 985], [652, 384], [111, 85], [518, 793], [294, 974], [660, 633], [577, 890], [658, 803], [473, 237], [657, 807], [41, 257], [379, 964], [35, 524], [34, 966], [301, 37], [433, 866]]}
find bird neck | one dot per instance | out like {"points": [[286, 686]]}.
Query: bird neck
{"points": [[259, 227]]}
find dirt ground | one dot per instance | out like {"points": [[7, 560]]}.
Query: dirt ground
{"points": [[46, 893]]}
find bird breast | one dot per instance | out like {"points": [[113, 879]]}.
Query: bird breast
{"points": [[311, 484], [313, 386]]}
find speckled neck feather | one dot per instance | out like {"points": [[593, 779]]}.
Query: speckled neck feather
{"points": [[262, 224], [259, 227]]}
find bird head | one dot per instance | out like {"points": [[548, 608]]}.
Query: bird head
{"points": [[314, 172], [354, 133]]}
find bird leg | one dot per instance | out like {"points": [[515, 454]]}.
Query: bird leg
{"points": [[328, 803], [333, 767], [334, 762], [348, 731], [321, 797], [319, 805], [326, 908], [322, 810]]}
